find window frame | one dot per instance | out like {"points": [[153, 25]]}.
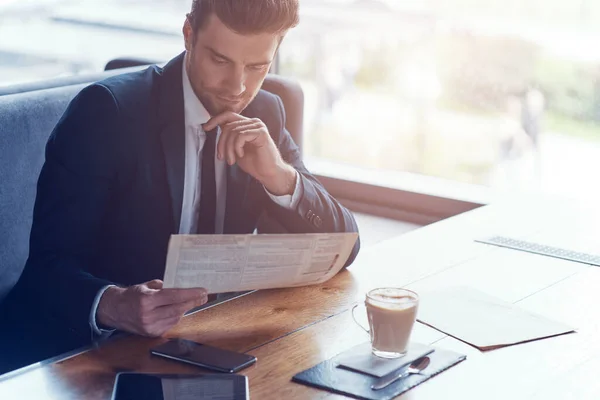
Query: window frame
{"points": [[417, 199]]}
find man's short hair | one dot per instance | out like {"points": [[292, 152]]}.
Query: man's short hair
{"points": [[247, 16]]}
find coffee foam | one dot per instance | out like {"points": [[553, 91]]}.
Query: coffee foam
{"points": [[391, 301]]}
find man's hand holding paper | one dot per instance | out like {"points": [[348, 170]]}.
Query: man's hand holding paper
{"points": [[147, 309]]}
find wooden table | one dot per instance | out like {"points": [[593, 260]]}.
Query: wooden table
{"points": [[291, 330]]}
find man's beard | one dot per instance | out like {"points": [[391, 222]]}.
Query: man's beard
{"points": [[215, 108]]}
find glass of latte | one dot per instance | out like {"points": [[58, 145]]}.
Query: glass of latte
{"points": [[392, 313]]}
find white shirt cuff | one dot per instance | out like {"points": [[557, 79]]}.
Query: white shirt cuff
{"points": [[93, 323], [289, 201]]}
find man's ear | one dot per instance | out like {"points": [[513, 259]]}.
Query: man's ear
{"points": [[188, 35]]}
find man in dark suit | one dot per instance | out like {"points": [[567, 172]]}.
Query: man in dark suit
{"points": [[194, 147]]}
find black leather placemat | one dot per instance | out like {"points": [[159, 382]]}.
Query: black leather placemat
{"points": [[327, 375]]}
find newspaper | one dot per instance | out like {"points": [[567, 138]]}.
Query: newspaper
{"points": [[233, 263]]}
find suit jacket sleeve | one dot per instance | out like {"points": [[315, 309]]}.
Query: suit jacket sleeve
{"points": [[317, 210], [74, 194]]}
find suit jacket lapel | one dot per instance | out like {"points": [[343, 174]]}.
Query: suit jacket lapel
{"points": [[172, 133]]}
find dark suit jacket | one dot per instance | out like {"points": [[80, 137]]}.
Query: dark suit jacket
{"points": [[110, 192]]}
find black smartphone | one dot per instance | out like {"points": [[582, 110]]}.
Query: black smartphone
{"points": [[203, 355], [135, 386]]}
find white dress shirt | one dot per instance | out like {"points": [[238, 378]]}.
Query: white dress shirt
{"points": [[195, 137]]}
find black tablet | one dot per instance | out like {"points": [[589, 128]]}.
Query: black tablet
{"points": [[132, 385]]}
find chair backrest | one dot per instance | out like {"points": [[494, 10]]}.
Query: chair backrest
{"points": [[292, 96], [27, 117], [26, 120], [62, 81]]}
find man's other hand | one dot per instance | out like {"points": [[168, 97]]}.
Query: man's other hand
{"points": [[147, 309], [247, 142]]}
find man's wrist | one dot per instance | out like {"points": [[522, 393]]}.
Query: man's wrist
{"points": [[104, 316], [283, 182]]}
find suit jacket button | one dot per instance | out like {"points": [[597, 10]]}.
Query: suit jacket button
{"points": [[309, 214], [317, 221]]}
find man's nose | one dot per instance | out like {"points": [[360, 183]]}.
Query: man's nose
{"points": [[236, 82]]}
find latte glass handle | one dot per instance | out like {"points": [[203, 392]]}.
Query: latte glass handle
{"points": [[355, 320]]}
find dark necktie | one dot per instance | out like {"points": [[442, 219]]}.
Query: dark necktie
{"points": [[208, 193]]}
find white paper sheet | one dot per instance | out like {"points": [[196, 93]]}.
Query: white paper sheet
{"points": [[483, 321], [233, 263]]}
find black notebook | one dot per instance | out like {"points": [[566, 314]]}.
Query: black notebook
{"points": [[329, 375]]}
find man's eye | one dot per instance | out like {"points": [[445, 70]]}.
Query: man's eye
{"points": [[219, 60]]}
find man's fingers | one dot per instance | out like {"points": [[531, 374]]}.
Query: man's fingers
{"points": [[242, 138], [196, 303], [172, 311], [240, 122], [166, 316], [221, 119], [176, 310], [244, 127], [227, 131], [232, 143], [221, 144], [224, 146], [156, 284], [176, 296], [238, 145], [230, 149]]}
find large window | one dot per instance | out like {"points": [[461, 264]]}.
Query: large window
{"points": [[464, 95], [497, 94], [41, 39]]}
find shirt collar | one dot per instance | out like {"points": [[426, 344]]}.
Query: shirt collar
{"points": [[195, 112]]}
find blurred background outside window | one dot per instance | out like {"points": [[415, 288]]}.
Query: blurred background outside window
{"points": [[496, 95]]}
